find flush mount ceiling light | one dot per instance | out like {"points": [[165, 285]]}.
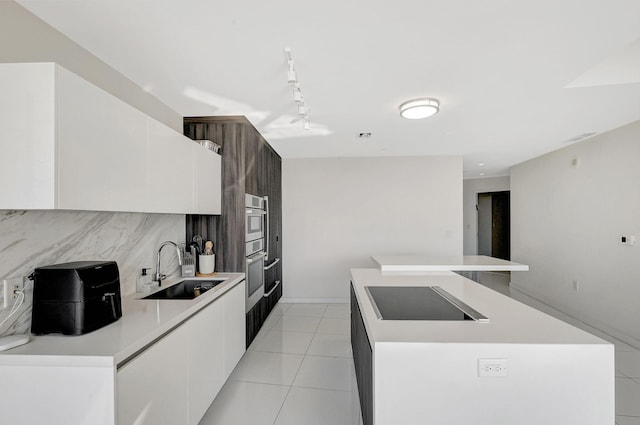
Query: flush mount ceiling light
{"points": [[419, 108]]}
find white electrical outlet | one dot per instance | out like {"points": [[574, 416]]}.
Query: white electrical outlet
{"points": [[10, 288], [628, 240], [496, 368]]}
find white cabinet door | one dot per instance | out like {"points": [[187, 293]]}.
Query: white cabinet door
{"points": [[208, 181], [66, 395], [152, 388], [27, 135], [234, 327], [170, 161], [101, 149], [205, 358]]}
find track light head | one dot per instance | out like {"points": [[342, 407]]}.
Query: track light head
{"points": [[297, 95], [292, 78]]}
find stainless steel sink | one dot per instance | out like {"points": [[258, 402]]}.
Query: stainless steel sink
{"points": [[185, 290]]}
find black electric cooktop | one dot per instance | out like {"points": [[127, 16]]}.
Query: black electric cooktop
{"points": [[419, 303]]}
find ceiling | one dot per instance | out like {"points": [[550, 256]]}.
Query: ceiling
{"points": [[515, 79]]}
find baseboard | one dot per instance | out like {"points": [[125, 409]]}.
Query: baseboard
{"points": [[314, 300]]}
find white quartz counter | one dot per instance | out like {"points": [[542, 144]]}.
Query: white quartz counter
{"points": [[509, 320], [142, 322], [424, 263]]}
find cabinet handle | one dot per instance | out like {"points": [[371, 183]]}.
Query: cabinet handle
{"points": [[272, 289], [267, 234], [273, 263]]}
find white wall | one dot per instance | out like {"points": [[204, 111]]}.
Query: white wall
{"points": [[471, 189], [26, 38], [567, 222], [338, 212]]}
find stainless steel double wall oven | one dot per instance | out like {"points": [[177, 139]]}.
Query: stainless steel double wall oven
{"points": [[255, 223]]}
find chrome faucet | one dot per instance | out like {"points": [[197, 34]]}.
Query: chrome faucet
{"points": [[158, 276]]}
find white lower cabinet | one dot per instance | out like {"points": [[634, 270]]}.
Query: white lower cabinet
{"points": [[205, 359], [152, 388], [67, 395], [234, 335], [174, 381]]}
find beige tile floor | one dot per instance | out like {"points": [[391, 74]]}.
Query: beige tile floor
{"points": [[299, 370]]}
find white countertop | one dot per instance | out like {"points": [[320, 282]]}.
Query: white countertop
{"points": [[510, 321], [434, 263], [142, 322]]}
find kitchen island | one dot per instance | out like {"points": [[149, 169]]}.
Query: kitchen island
{"points": [[520, 366]]}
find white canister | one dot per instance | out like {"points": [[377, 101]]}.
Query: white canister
{"points": [[206, 263]]}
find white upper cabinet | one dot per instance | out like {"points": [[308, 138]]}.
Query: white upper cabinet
{"points": [[208, 181], [27, 127], [170, 170], [67, 144], [101, 143]]}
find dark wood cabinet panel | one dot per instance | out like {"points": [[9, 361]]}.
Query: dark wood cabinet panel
{"points": [[363, 360], [224, 229], [255, 318], [249, 165], [254, 162], [273, 191], [259, 313]]}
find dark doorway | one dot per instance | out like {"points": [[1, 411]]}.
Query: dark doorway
{"points": [[494, 224]]}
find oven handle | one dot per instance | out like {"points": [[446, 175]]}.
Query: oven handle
{"points": [[272, 289], [255, 257], [273, 263]]}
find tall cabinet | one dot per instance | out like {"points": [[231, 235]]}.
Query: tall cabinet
{"points": [[249, 165]]}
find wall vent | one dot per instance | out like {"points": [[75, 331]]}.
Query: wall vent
{"points": [[580, 137], [364, 135]]}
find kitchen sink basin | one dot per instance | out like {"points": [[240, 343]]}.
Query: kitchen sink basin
{"points": [[185, 290]]}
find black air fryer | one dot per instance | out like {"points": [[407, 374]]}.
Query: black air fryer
{"points": [[75, 298]]}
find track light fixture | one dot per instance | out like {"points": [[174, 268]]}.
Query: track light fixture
{"points": [[298, 97]]}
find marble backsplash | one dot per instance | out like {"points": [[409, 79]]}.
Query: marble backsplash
{"points": [[30, 239]]}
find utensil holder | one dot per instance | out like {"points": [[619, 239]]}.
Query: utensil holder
{"points": [[207, 263]]}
